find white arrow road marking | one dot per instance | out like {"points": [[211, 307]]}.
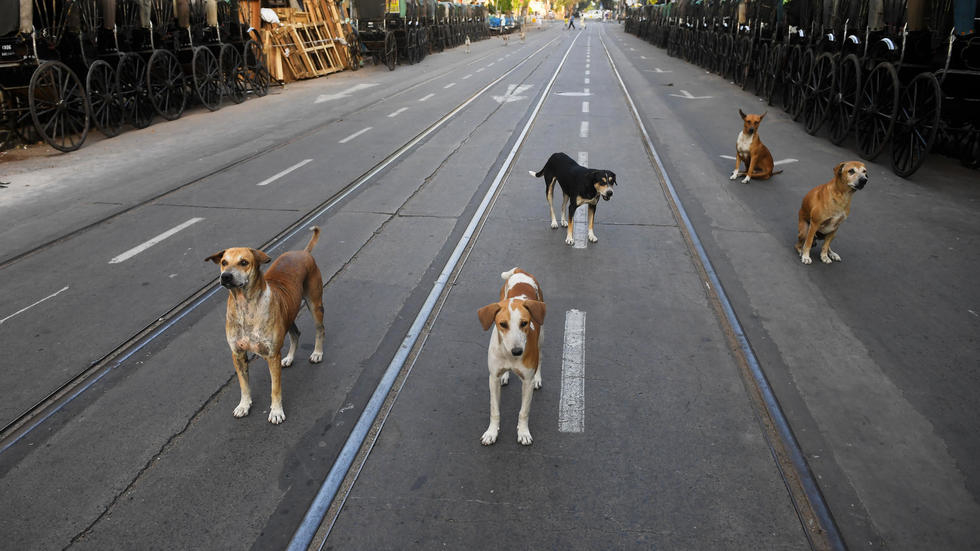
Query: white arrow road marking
{"points": [[687, 95], [513, 93], [776, 163], [140, 248], [356, 88], [271, 179], [26, 308], [571, 402]]}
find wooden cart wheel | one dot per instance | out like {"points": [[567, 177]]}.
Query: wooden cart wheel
{"points": [[207, 78], [876, 110], [790, 69], [353, 51], [256, 70], [774, 73], [165, 84], [391, 51], [846, 99], [102, 89], [423, 43], [58, 106], [131, 76], [917, 123], [820, 90], [802, 76], [232, 73]]}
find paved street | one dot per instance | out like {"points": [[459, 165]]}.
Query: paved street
{"points": [[650, 430]]}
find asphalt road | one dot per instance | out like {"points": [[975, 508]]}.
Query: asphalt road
{"points": [[873, 360]]}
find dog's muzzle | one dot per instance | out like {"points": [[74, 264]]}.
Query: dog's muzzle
{"points": [[228, 280], [861, 183], [607, 196], [517, 351]]}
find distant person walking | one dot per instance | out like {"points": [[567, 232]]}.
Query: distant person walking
{"points": [[571, 20]]}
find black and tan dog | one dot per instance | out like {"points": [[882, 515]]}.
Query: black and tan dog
{"points": [[262, 308], [579, 186], [825, 207]]}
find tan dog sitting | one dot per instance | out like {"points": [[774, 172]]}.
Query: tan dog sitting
{"points": [[262, 308], [825, 207], [514, 346], [750, 150]]}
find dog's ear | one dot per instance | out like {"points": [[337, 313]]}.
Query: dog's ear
{"points": [[839, 169], [763, 115], [216, 257], [487, 313], [742, 114], [537, 310], [260, 256]]}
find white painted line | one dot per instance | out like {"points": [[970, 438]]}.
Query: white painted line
{"points": [[583, 158], [423, 98], [491, 64], [450, 85], [580, 228], [467, 76], [26, 308], [140, 248], [585, 107], [586, 65], [396, 113], [500, 59], [583, 130], [480, 69], [587, 81], [785, 161], [587, 73], [355, 134], [271, 179], [729, 157], [643, 57], [586, 91], [571, 402]]}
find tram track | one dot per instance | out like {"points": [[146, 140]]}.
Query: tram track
{"points": [[34, 416]]}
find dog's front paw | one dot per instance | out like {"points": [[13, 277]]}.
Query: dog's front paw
{"points": [[593, 238], [564, 223], [505, 378], [524, 436], [834, 256], [287, 361], [242, 409], [734, 175], [537, 382], [490, 436], [276, 416], [746, 179], [554, 224], [806, 259], [316, 357], [826, 259], [569, 240]]}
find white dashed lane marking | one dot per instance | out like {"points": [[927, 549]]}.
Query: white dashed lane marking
{"points": [[571, 403], [146, 245], [275, 177]]}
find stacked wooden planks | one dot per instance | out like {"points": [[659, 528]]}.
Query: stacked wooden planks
{"points": [[307, 43]]}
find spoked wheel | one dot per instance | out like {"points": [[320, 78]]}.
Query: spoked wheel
{"points": [[353, 51], [774, 73], [876, 110], [759, 70], [802, 77], [917, 124], [411, 53], [790, 75], [103, 98], [232, 73], [133, 93], [844, 110], [207, 78], [165, 84], [423, 43], [256, 72], [724, 53], [819, 93], [391, 51], [743, 59], [58, 106]]}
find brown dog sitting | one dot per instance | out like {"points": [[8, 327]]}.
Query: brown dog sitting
{"points": [[262, 308], [825, 207], [750, 150]]}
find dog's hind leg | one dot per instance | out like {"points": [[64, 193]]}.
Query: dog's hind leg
{"points": [[550, 194], [276, 413], [564, 202], [314, 302], [293, 343], [241, 369], [569, 237], [592, 237]]}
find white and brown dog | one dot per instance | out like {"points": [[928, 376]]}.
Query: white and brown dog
{"points": [[515, 345], [750, 150], [825, 207], [262, 308]]}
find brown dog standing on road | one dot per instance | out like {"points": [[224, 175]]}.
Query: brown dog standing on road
{"points": [[825, 207], [750, 150], [262, 308]]}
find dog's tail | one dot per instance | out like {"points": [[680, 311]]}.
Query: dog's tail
{"points": [[775, 172], [507, 275], [536, 174], [313, 240]]}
